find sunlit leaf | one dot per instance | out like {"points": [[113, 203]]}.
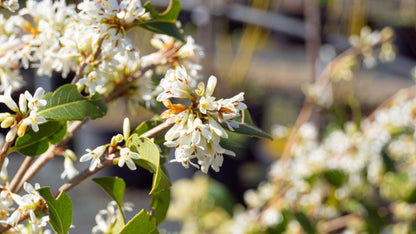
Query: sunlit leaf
{"points": [[142, 223], [150, 160], [114, 187], [66, 103], [165, 22]]}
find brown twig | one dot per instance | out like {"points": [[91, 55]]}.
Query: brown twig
{"points": [[87, 61], [3, 152], [19, 174], [338, 223]]}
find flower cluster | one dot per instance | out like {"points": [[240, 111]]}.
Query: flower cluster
{"points": [[126, 156], [197, 130], [106, 218], [25, 113], [26, 203], [340, 177]]}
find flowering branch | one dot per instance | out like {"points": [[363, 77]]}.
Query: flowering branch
{"points": [[90, 59], [323, 80]]}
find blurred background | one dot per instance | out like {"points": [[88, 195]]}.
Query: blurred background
{"points": [[270, 49]]}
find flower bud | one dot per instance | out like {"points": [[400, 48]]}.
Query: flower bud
{"points": [[21, 130], [4, 115], [7, 122], [70, 154], [200, 89], [116, 139], [11, 134], [22, 104], [126, 128]]}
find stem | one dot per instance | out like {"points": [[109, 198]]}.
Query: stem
{"points": [[338, 223], [36, 166], [19, 174], [108, 162], [82, 176], [90, 59], [118, 92], [3, 152]]}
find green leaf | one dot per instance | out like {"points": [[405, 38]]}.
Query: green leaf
{"points": [[150, 160], [35, 143], [159, 139], [66, 103], [335, 177], [60, 210], [306, 224], [248, 128], [251, 131], [160, 205], [141, 223], [165, 22], [114, 187]]}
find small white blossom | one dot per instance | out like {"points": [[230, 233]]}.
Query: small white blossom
{"points": [[34, 120], [37, 224], [93, 82], [36, 100], [127, 156], [69, 170], [94, 156]]}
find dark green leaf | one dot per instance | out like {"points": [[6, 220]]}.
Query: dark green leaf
{"points": [[60, 210], [252, 131], [66, 103], [114, 187], [335, 177], [221, 196], [248, 128], [141, 223], [36, 143], [306, 224], [150, 160], [164, 23], [160, 205], [170, 14]]}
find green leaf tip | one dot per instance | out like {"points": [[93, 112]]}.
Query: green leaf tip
{"points": [[248, 128], [165, 22], [141, 223]]}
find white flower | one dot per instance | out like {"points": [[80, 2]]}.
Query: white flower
{"points": [[92, 81], [37, 224], [94, 156], [127, 156], [175, 85], [69, 170], [36, 100], [5, 204], [12, 5], [105, 219], [34, 120]]}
